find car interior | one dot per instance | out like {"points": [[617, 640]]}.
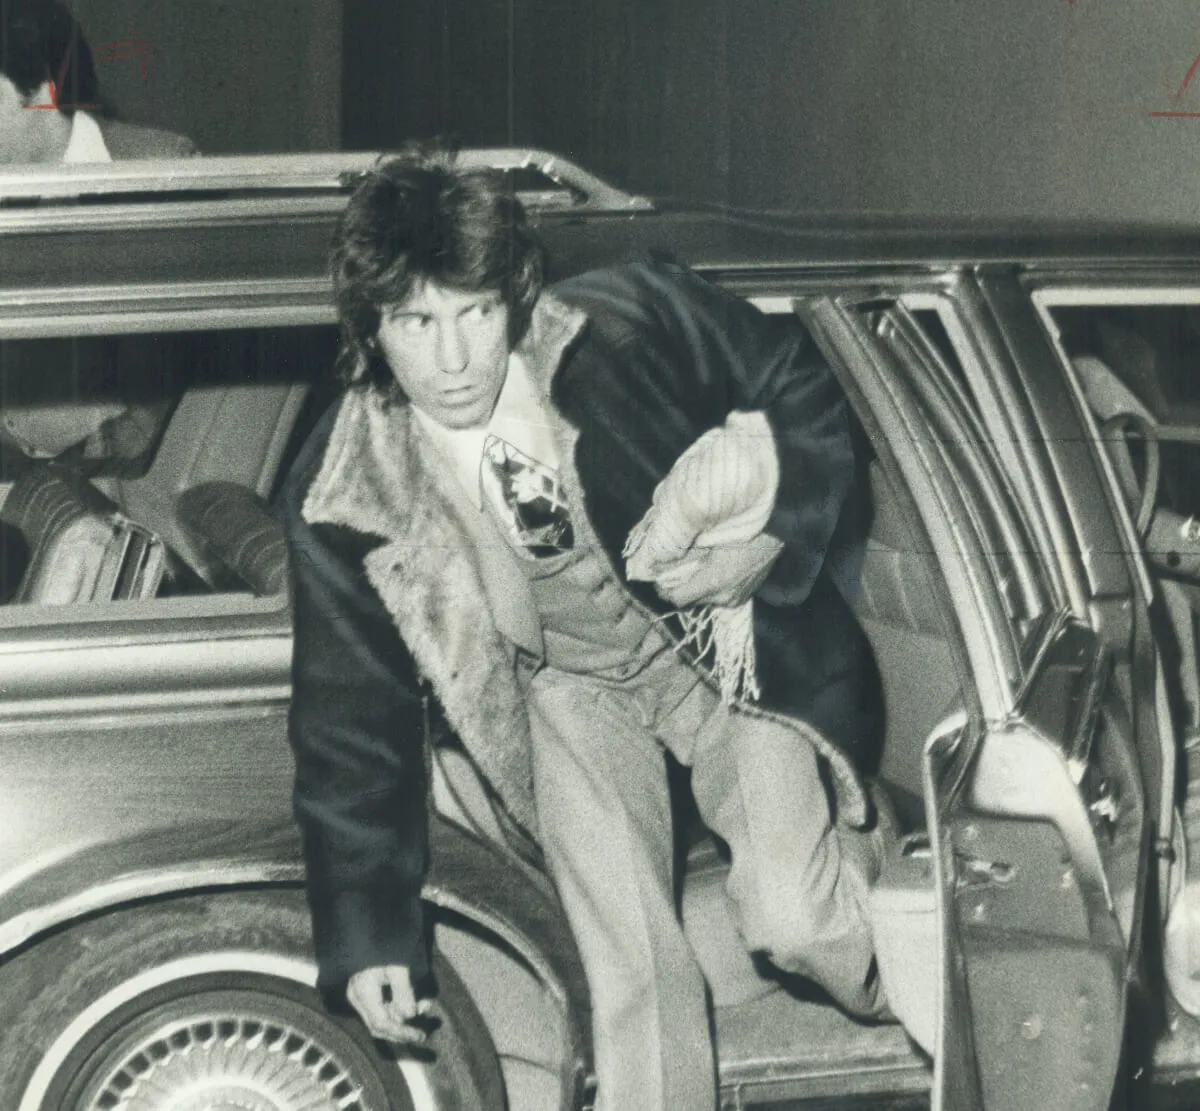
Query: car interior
{"points": [[161, 484], [1135, 365]]}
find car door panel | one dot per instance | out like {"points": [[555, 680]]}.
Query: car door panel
{"points": [[1025, 914], [172, 730]]}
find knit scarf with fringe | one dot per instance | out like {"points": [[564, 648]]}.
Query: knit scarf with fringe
{"points": [[721, 491]]}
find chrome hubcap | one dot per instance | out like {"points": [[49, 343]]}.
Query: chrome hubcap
{"points": [[227, 1063]]}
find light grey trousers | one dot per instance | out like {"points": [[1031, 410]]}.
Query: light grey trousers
{"points": [[799, 883]]}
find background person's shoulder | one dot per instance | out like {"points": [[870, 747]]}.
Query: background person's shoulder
{"points": [[128, 140]]}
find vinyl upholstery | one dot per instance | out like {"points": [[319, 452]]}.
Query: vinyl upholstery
{"points": [[238, 532]]}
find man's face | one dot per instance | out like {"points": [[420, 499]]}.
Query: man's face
{"points": [[448, 350]]}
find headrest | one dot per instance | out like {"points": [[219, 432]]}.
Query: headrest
{"points": [[46, 431], [238, 532]]}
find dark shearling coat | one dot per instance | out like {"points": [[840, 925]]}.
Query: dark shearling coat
{"points": [[637, 363]]}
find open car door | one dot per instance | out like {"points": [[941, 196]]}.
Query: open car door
{"points": [[1024, 786]]}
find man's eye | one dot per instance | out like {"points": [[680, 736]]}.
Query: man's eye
{"points": [[414, 323]]}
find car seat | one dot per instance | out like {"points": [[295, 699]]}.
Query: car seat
{"points": [[218, 433], [81, 547]]}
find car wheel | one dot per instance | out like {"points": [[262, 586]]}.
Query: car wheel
{"points": [[206, 1004]]}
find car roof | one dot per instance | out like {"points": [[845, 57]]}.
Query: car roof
{"points": [[736, 239], [269, 218]]}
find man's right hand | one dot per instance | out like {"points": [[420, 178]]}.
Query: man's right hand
{"points": [[385, 1000]]}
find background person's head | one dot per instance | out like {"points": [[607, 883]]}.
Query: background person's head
{"points": [[44, 61], [69, 59], [417, 219]]}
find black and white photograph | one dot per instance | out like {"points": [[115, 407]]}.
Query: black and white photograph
{"points": [[599, 555]]}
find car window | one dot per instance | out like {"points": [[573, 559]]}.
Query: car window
{"points": [[1142, 361], [1133, 355], [140, 467]]}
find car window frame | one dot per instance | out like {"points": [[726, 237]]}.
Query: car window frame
{"points": [[986, 466], [128, 311], [971, 603], [954, 292], [984, 365]]}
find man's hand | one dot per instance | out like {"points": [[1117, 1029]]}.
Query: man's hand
{"points": [[723, 575], [384, 998], [703, 541]]}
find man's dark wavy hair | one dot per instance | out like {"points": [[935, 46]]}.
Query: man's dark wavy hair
{"points": [[419, 217]]}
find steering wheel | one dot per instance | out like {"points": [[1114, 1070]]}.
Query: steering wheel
{"points": [[1170, 541]]}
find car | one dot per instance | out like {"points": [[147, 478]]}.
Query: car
{"points": [[1029, 417]]}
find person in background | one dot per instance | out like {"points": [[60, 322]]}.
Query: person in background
{"points": [[537, 501], [46, 73]]}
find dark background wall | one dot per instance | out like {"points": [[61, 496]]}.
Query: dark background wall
{"points": [[635, 89], [236, 75], [936, 106], [1030, 106]]}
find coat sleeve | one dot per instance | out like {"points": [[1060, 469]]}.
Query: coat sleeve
{"points": [[356, 729], [769, 363]]}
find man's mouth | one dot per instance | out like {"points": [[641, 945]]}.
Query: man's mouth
{"points": [[458, 395]]}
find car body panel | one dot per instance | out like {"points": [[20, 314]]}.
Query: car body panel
{"points": [[194, 788]]}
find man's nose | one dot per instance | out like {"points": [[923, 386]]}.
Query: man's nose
{"points": [[452, 350]]}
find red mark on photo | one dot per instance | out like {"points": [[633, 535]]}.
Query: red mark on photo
{"points": [[107, 52], [1188, 77], [126, 48], [54, 105]]}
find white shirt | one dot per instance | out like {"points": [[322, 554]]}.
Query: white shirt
{"points": [[86, 143], [519, 417]]}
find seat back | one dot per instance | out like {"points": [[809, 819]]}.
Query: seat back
{"points": [[231, 433], [899, 612], [81, 548]]}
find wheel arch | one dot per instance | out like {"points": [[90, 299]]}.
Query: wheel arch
{"points": [[467, 875], [502, 897], [123, 966]]}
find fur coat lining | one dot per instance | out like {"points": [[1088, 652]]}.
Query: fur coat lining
{"points": [[377, 480]]}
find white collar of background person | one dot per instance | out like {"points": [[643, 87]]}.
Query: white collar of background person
{"points": [[87, 141]]}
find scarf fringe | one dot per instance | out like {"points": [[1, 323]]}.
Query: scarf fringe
{"points": [[727, 634]]}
